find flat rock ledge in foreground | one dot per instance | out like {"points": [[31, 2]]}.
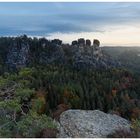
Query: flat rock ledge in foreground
{"points": [[90, 124]]}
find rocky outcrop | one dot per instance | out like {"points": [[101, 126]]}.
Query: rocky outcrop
{"points": [[75, 42], [18, 55], [55, 54], [96, 42], [56, 42], [90, 124], [88, 42], [91, 56], [80, 54], [81, 41]]}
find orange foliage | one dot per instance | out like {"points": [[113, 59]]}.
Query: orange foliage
{"points": [[114, 91], [41, 96], [60, 108], [135, 113], [67, 94]]}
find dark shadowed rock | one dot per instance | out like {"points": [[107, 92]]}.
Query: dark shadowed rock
{"points": [[43, 42], [57, 42], [88, 42], [18, 55], [96, 42], [81, 41], [23, 51], [74, 42], [90, 124]]}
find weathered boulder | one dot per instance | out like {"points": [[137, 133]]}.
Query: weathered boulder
{"points": [[90, 124]]}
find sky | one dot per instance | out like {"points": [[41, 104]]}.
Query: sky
{"points": [[113, 23]]}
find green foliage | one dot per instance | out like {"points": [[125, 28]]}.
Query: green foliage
{"points": [[3, 82], [37, 104], [15, 122], [26, 73], [112, 90], [24, 93], [10, 105], [32, 123], [27, 127], [6, 131], [136, 127]]}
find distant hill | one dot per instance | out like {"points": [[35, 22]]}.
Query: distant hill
{"points": [[128, 56]]}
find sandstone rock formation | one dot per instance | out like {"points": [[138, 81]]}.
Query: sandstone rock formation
{"points": [[81, 41], [96, 42], [57, 42], [24, 51], [90, 124], [75, 42], [18, 55], [88, 42]]}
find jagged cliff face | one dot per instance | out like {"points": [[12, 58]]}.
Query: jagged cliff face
{"points": [[24, 51], [18, 54], [86, 55]]}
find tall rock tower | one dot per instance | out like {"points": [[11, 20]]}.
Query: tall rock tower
{"points": [[18, 55]]}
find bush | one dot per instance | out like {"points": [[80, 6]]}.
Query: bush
{"points": [[29, 126], [32, 124], [136, 127]]}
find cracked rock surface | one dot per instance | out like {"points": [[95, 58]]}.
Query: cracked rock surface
{"points": [[90, 124]]}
